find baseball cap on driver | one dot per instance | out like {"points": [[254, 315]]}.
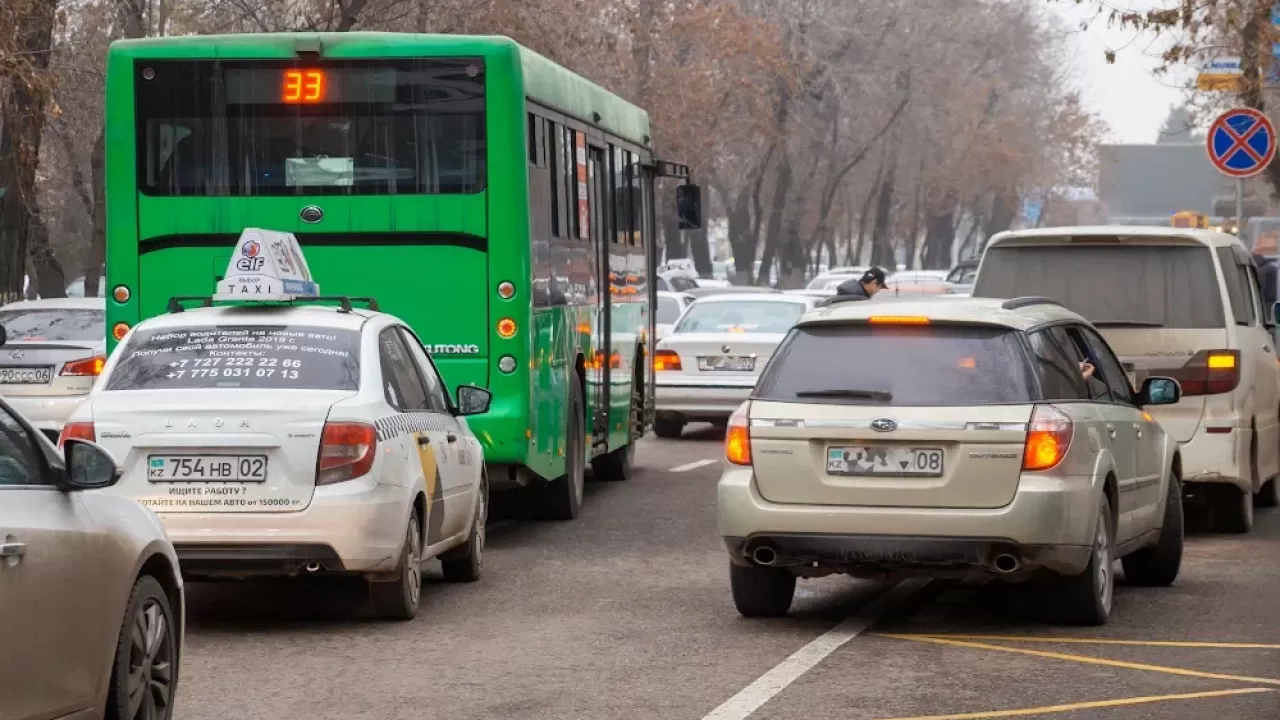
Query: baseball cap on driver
{"points": [[875, 274]]}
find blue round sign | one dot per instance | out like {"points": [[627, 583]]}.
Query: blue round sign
{"points": [[1241, 142]]}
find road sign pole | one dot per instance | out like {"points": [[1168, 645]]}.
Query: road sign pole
{"points": [[1240, 208]]}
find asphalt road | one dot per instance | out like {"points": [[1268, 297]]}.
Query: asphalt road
{"points": [[625, 613]]}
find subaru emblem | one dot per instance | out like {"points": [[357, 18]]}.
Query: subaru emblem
{"points": [[312, 214], [883, 425]]}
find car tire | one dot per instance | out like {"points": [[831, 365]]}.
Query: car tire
{"points": [[399, 599], [761, 591], [1158, 565], [1269, 495], [615, 465], [561, 499], [145, 665], [1086, 599], [465, 562], [668, 427], [1232, 509]]}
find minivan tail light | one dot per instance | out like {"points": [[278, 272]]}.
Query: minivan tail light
{"points": [[1209, 372], [1048, 438], [737, 437], [77, 431], [666, 360], [347, 451], [88, 367]]}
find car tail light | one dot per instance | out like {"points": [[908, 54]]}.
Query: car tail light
{"points": [[737, 437], [666, 360], [1209, 372], [77, 431], [91, 367], [1048, 438], [347, 450]]}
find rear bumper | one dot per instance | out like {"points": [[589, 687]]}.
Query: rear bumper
{"points": [[356, 526], [698, 402], [46, 412], [1048, 525], [1218, 458]]}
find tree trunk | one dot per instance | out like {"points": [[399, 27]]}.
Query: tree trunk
{"points": [[773, 232], [700, 250], [741, 235], [1004, 208], [98, 240], [50, 277], [673, 240], [940, 237], [881, 243]]}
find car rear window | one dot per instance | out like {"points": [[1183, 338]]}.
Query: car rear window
{"points": [[752, 316], [60, 324], [1171, 286], [900, 365], [250, 356]]}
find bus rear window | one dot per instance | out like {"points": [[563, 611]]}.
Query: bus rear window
{"points": [[250, 356], [352, 127]]}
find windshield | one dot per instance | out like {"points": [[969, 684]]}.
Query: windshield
{"points": [[750, 316], [230, 356], [76, 325], [963, 275], [905, 366], [353, 127], [1172, 286], [668, 311]]}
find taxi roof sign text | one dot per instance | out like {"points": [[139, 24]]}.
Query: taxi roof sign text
{"points": [[266, 266]]}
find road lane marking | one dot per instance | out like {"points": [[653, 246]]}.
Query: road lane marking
{"points": [[1047, 709], [692, 466], [750, 698], [1100, 641], [1085, 659]]}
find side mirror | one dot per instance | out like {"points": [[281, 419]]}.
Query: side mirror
{"points": [[689, 206], [89, 465], [4, 335], [1159, 391], [1275, 318], [473, 400]]}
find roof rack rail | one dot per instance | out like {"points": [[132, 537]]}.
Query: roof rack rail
{"points": [[175, 303], [1028, 301], [344, 302]]}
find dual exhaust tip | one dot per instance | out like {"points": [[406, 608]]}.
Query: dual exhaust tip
{"points": [[1003, 563]]}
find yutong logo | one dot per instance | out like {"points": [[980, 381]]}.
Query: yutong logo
{"points": [[453, 349], [252, 260]]}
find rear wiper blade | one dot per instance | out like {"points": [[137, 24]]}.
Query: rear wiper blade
{"points": [[883, 395], [1126, 323]]}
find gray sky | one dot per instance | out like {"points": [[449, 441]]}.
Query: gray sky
{"points": [[1129, 97]]}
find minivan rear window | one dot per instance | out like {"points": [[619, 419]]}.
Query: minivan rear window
{"points": [[1169, 286], [300, 357], [899, 365]]}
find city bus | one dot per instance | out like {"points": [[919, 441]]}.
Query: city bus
{"points": [[500, 204]]}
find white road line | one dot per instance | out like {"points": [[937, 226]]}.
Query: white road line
{"points": [[750, 698], [692, 466]]}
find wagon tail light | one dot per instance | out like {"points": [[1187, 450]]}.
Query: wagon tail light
{"points": [[1208, 372], [77, 431], [88, 367], [666, 360], [347, 451], [1048, 438], [737, 436]]}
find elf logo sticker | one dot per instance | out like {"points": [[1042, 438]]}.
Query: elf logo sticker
{"points": [[252, 260], [453, 349]]}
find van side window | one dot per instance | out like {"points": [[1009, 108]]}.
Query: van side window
{"points": [[1258, 307], [1237, 288]]}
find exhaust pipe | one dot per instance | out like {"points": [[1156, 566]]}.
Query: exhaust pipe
{"points": [[764, 555], [312, 567], [1006, 563]]}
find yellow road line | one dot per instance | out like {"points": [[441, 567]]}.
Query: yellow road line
{"points": [[1095, 641], [1047, 709], [1086, 659]]}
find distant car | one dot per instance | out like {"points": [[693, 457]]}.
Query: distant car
{"points": [[670, 307], [91, 600], [76, 288], [711, 282], [706, 366], [674, 281], [961, 276], [701, 292], [296, 439], [847, 270], [51, 352], [956, 439], [829, 281]]}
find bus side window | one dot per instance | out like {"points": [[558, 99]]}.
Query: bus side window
{"points": [[555, 146]]}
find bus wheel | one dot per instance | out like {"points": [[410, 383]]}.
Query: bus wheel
{"points": [[562, 497], [615, 466]]}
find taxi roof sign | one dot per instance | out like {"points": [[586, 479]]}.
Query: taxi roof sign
{"points": [[267, 266]]}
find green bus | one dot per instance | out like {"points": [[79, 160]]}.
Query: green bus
{"points": [[500, 204]]}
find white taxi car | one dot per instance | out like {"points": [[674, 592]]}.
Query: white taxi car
{"points": [[294, 438]]}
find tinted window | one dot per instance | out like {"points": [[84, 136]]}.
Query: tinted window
{"points": [[938, 365], [18, 463], [1059, 374], [753, 316], [401, 381], [347, 127], [50, 324], [668, 311], [1237, 287], [239, 356], [1108, 366], [437, 398], [1168, 286]]}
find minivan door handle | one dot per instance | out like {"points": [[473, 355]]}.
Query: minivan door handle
{"points": [[14, 550], [1111, 430], [424, 440]]}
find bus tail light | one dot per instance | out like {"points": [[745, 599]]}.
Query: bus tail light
{"points": [[666, 360], [737, 437], [1048, 438], [77, 431], [119, 330], [506, 290], [120, 294], [1209, 372], [506, 328], [347, 451], [507, 364], [88, 367]]}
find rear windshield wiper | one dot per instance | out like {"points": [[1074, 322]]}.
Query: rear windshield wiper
{"points": [[1126, 323], [882, 395]]}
